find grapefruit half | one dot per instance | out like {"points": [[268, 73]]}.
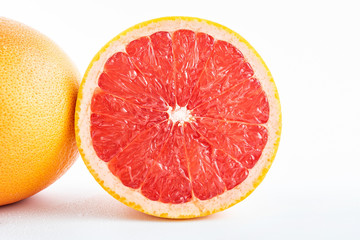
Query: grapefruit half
{"points": [[178, 117]]}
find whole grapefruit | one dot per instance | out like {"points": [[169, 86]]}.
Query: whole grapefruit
{"points": [[38, 89]]}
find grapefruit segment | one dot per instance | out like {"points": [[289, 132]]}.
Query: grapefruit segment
{"points": [[115, 122], [168, 180], [245, 102], [232, 172], [120, 77], [178, 117], [132, 164], [191, 51], [163, 50], [107, 135], [153, 57], [205, 176], [242, 142], [225, 68]]}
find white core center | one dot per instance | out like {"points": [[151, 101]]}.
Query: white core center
{"points": [[179, 114]]}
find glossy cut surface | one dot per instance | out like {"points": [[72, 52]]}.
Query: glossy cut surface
{"points": [[203, 155]]}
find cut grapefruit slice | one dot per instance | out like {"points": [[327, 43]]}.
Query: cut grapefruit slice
{"points": [[178, 117]]}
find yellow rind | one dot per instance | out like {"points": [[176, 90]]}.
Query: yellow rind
{"points": [[38, 90], [132, 204]]}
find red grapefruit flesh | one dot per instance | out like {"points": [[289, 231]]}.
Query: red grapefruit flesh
{"points": [[181, 122], [172, 161]]}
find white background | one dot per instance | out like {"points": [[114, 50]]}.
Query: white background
{"points": [[312, 190]]}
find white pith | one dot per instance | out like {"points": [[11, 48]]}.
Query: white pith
{"points": [[195, 207], [179, 114]]}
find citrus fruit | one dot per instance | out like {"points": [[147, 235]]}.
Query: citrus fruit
{"points": [[178, 117], [38, 92]]}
